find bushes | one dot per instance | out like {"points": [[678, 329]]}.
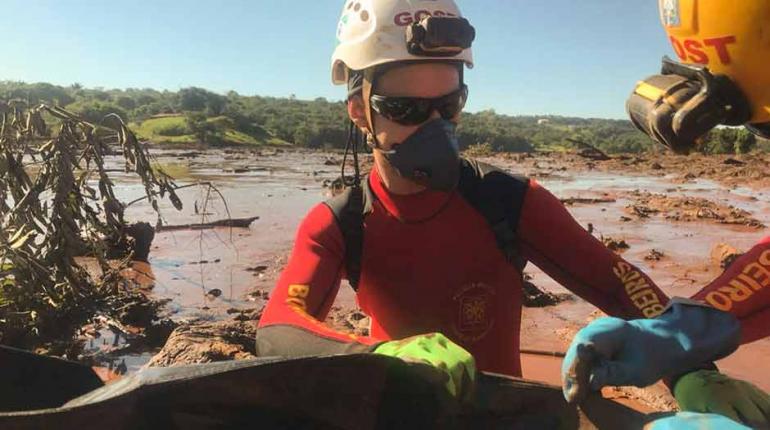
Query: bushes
{"points": [[95, 111], [205, 131], [172, 129], [729, 140]]}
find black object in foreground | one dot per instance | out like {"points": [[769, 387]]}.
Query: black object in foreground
{"points": [[365, 391]]}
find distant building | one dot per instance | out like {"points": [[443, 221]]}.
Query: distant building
{"points": [[543, 121]]}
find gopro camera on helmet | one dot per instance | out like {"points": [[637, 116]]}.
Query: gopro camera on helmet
{"points": [[439, 36]]}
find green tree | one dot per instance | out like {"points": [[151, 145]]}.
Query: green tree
{"points": [[198, 99], [126, 102], [205, 131]]}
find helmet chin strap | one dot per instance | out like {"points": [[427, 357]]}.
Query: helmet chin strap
{"points": [[366, 92]]}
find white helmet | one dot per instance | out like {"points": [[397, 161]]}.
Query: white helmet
{"points": [[375, 32]]}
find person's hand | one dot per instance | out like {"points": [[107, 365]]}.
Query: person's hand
{"points": [[694, 421], [450, 360], [711, 391], [611, 351]]}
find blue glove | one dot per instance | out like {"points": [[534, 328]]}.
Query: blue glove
{"points": [[693, 421], [611, 351]]}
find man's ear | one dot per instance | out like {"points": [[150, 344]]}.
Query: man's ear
{"points": [[357, 112]]}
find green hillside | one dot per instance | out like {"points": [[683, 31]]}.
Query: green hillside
{"points": [[197, 116]]}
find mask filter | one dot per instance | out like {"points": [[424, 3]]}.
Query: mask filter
{"points": [[430, 156]]}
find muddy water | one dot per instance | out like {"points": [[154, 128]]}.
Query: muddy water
{"points": [[685, 268], [207, 273], [280, 188], [188, 265]]}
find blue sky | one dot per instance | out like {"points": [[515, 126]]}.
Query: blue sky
{"points": [[562, 57]]}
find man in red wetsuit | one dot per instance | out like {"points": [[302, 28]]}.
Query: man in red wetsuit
{"points": [[433, 279]]}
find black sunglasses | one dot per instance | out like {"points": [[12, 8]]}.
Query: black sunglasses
{"points": [[417, 110]]}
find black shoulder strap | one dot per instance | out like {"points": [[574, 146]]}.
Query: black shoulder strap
{"points": [[498, 196], [349, 209]]}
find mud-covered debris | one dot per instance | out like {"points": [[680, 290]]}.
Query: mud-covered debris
{"points": [[231, 222], [140, 310], [259, 295], [351, 321], [570, 201], [191, 154], [207, 342], [625, 219], [734, 162], [654, 255], [640, 211], [236, 170], [688, 209], [214, 293], [157, 333], [723, 255], [332, 162], [586, 150], [515, 157], [616, 245], [257, 269], [752, 174], [252, 314], [656, 397], [534, 297]]}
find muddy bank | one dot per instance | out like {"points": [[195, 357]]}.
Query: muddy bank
{"points": [[729, 170], [207, 342], [688, 209]]}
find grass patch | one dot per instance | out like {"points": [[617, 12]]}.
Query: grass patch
{"points": [[173, 130], [175, 170], [155, 130]]}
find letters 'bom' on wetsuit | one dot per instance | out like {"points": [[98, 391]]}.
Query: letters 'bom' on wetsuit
{"points": [[430, 263]]}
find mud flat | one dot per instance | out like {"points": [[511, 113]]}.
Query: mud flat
{"points": [[691, 205]]}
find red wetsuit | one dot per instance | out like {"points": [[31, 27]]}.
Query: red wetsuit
{"points": [[430, 263], [744, 290]]}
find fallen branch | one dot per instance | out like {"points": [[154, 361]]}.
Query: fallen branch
{"points": [[586, 201], [586, 150], [234, 223]]}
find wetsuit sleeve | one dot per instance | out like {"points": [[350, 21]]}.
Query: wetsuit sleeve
{"points": [[744, 290], [291, 324], [552, 239]]}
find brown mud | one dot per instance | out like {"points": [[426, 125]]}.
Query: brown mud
{"points": [[197, 343], [688, 209], [727, 170], [694, 204]]}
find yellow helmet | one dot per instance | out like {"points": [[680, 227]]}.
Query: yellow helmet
{"points": [[731, 38]]}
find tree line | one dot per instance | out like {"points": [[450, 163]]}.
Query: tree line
{"points": [[321, 123]]}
